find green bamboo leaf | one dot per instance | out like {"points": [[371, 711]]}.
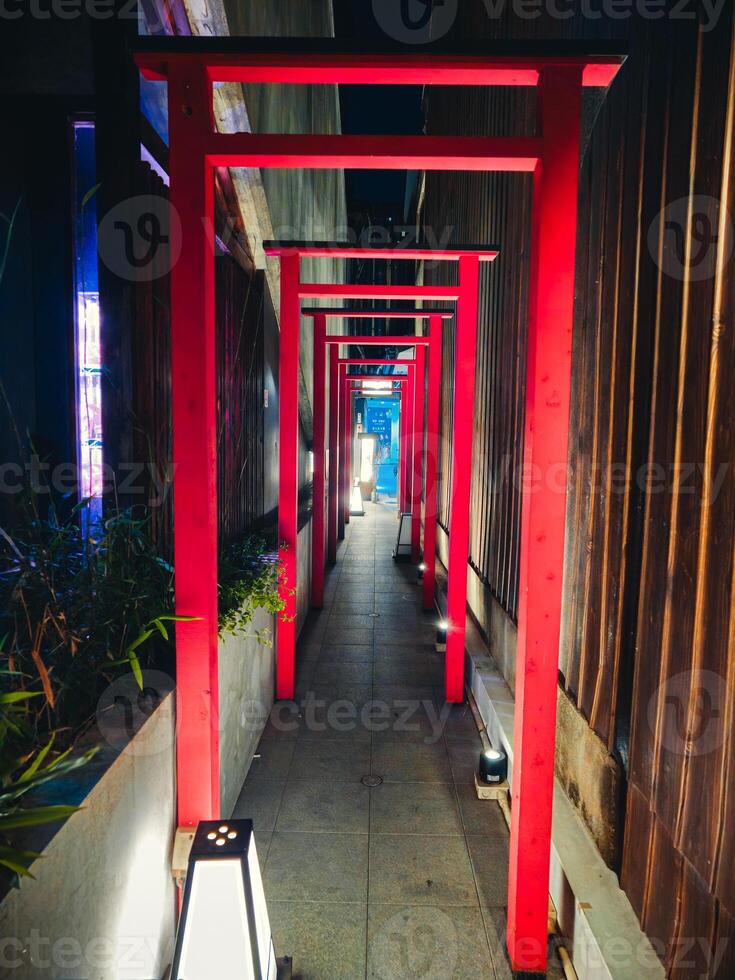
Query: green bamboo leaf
{"points": [[58, 768], [136, 669], [37, 762], [17, 861], [36, 817], [139, 641], [58, 762], [90, 194], [161, 628], [12, 697]]}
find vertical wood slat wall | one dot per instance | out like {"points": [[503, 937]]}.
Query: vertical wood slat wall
{"points": [[240, 321], [478, 207], [647, 649]]}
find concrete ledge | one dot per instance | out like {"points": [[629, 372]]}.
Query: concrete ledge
{"points": [[606, 941]]}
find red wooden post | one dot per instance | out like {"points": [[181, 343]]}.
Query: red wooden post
{"points": [[432, 458], [459, 507], [333, 452], [403, 450], [288, 474], [548, 371], [348, 451], [417, 454], [194, 449], [341, 455], [399, 474], [317, 530], [410, 405]]}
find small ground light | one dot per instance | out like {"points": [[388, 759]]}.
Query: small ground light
{"points": [[357, 508], [420, 572], [441, 635], [224, 930], [493, 766]]}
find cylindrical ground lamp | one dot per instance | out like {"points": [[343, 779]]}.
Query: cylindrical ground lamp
{"points": [[493, 767]]}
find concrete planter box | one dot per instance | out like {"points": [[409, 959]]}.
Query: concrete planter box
{"points": [[246, 690], [103, 905], [103, 902]]}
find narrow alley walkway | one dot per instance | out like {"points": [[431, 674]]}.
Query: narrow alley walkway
{"points": [[379, 860]]}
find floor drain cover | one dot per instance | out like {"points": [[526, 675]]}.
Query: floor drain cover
{"points": [[372, 780]]}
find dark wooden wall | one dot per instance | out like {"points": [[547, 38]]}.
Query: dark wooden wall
{"points": [[648, 635], [487, 208], [240, 459], [243, 314], [151, 370]]}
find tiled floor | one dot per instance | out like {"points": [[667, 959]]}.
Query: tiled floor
{"points": [[398, 880]]}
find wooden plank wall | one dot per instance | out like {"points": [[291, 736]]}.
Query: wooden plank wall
{"points": [[478, 207], [240, 438], [240, 323], [151, 355], [648, 637]]}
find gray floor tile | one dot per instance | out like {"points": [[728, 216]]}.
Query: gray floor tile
{"points": [[272, 760], [388, 585], [317, 867], [259, 801], [342, 691], [324, 806], [341, 653], [415, 808], [326, 941], [402, 692], [464, 758], [308, 651], [433, 943], [348, 607], [413, 720], [410, 762], [351, 621], [410, 655], [420, 870], [386, 672], [489, 857], [305, 671], [337, 672], [400, 636], [340, 719], [284, 720], [480, 817], [394, 618], [460, 722], [335, 760], [336, 634], [495, 928], [262, 847]]}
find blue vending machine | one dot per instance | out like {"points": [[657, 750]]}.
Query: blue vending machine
{"points": [[381, 419]]}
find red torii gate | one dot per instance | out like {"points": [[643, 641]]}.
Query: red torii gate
{"points": [[465, 293], [410, 460], [322, 340], [191, 66]]}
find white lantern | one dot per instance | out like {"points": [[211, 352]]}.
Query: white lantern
{"points": [[224, 931]]}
